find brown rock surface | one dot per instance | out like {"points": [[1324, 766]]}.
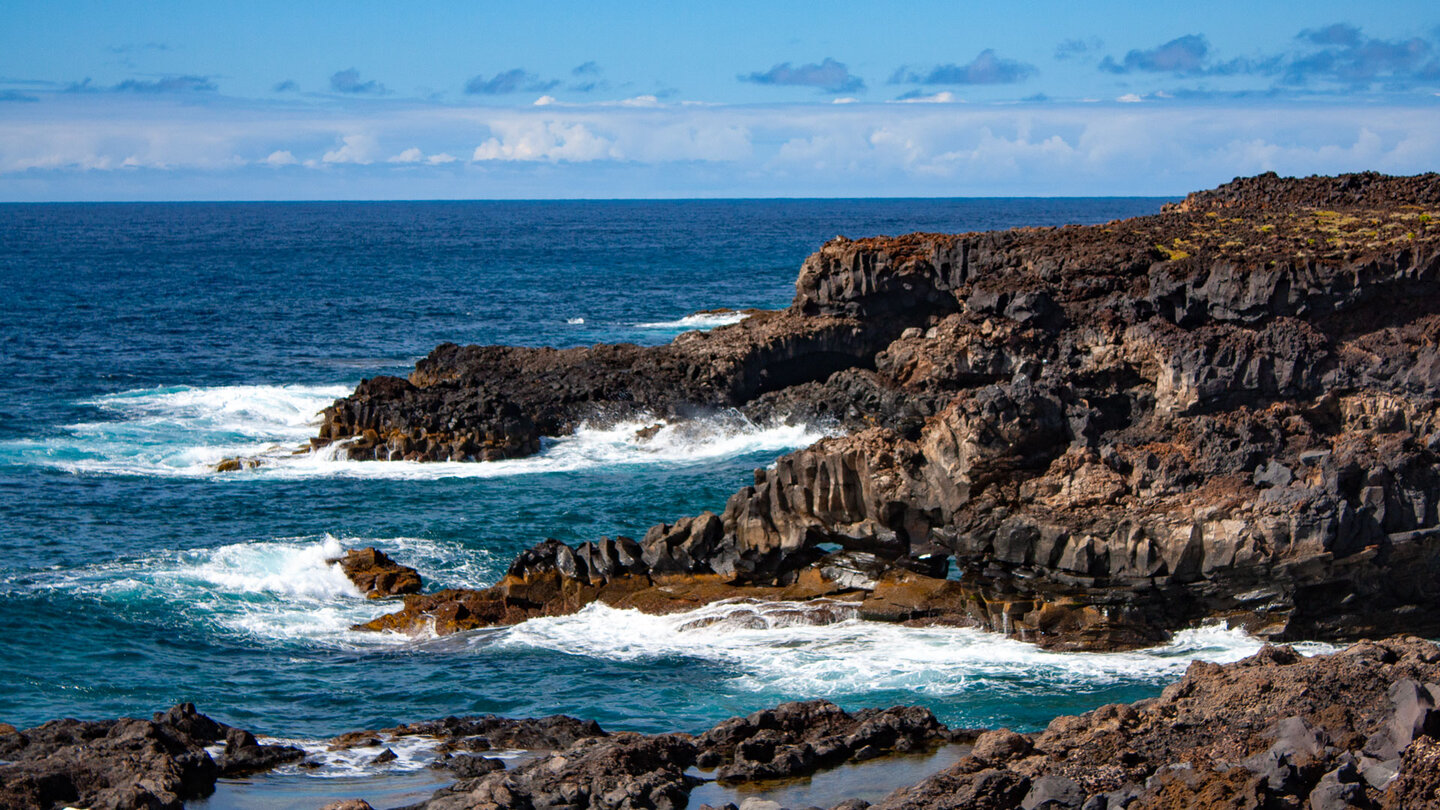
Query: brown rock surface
{"points": [[376, 575], [1273, 730]]}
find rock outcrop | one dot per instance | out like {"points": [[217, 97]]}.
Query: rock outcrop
{"points": [[1228, 410], [376, 575], [1356, 729], [126, 764]]}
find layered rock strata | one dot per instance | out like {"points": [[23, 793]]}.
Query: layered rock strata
{"points": [[1225, 410]]}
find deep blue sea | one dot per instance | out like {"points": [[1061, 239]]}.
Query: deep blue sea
{"points": [[140, 344]]}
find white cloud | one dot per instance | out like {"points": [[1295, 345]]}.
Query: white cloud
{"points": [[1129, 98], [552, 141], [362, 149], [942, 97], [813, 149], [846, 100], [640, 101], [411, 155], [544, 101]]}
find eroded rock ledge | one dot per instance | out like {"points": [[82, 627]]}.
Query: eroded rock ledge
{"points": [[1225, 410]]}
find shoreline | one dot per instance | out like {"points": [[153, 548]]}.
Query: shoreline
{"points": [[1356, 728]]}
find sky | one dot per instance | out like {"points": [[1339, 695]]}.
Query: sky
{"points": [[504, 100]]}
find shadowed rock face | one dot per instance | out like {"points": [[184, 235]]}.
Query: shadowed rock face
{"points": [[1226, 410], [128, 763]]}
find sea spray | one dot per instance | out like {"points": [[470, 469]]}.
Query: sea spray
{"points": [[185, 432]]}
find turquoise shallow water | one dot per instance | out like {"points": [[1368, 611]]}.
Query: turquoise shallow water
{"points": [[141, 343]]}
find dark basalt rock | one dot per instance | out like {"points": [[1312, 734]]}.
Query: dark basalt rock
{"points": [[797, 739], [621, 771], [244, 755], [488, 731], [1273, 730], [125, 764], [1230, 410]]}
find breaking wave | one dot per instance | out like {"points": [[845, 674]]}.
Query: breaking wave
{"points": [[185, 431]]}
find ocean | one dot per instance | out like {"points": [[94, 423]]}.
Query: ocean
{"points": [[142, 343]]}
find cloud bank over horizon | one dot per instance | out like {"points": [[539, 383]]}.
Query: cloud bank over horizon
{"points": [[795, 150], [715, 107]]}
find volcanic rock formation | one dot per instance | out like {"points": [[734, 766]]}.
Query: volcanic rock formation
{"points": [[1356, 729], [128, 763], [1224, 410]]}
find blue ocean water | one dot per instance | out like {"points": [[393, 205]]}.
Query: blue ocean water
{"points": [[139, 344]]}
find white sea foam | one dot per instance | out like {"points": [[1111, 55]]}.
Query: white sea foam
{"points": [[675, 443], [269, 591], [412, 753], [699, 320], [182, 430], [187, 431], [574, 321], [855, 657]]}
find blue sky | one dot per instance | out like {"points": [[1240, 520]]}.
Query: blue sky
{"points": [[361, 100]]}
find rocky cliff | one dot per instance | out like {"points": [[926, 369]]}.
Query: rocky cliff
{"points": [[1224, 410]]}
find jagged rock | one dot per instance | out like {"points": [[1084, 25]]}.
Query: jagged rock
{"points": [[376, 575], [488, 731], [1212, 740], [1229, 410], [244, 755], [622, 770], [796, 739], [122, 764], [469, 766]]}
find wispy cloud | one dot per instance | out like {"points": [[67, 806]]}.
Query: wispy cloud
{"points": [[138, 47], [986, 68], [16, 95], [287, 86], [828, 76], [1076, 48], [1182, 55], [348, 81], [587, 78], [516, 80], [165, 84], [1343, 54]]}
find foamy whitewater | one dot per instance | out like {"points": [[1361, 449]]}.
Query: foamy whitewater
{"points": [[185, 431], [699, 321]]}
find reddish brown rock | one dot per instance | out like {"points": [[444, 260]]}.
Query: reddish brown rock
{"points": [[376, 575]]}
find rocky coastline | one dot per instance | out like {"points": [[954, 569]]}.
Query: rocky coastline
{"points": [[1226, 411], [1358, 728]]}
